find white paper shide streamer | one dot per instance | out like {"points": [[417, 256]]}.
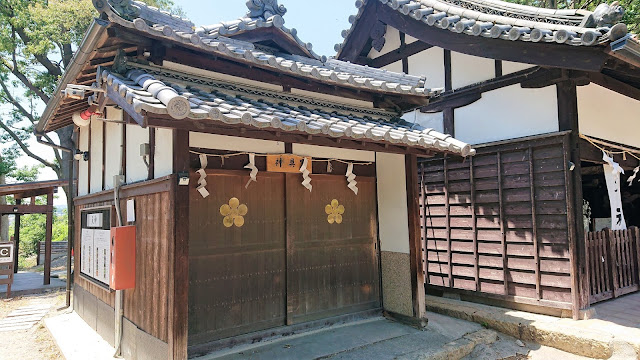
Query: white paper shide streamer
{"points": [[254, 170], [202, 182], [306, 180], [351, 179], [612, 171], [633, 177]]}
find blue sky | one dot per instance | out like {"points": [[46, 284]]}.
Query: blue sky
{"points": [[318, 22]]}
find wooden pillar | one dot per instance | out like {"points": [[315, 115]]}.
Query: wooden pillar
{"points": [[179, 276], [415, 246], [16, 238], [47, 240], [568, 120]]}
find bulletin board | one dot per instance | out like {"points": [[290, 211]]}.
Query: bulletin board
{"points": [[95, 249]]}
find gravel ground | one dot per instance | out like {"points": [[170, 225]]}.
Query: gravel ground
{"points": [[35, 343]]}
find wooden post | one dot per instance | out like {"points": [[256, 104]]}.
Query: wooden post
{"points": [[152, 154], [447, 211], [568, 120], [503, 232], [636, 232], [534, 222], [16, 239], [476, 256], [613, 262], [415, 248], [179, 276], [47, 243]]}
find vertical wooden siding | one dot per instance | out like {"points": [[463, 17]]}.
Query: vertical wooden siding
{"points": [[497, 223], [146, 304]]}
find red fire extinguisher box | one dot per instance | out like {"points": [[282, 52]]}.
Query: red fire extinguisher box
{"points": [[123, 258]]}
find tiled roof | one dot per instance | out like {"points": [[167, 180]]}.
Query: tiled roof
{"points": [[503, 20], [163, 25], [179, 98]]}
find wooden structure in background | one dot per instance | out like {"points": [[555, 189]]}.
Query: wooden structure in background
{"points": [[497, 224], [614, 263], [31, 190], [6, 265]]}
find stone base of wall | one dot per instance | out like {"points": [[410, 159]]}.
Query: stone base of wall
{"points": [[136, 344], [396, 283]]}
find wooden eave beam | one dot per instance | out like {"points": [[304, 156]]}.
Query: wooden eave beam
{"points": [[398, 54], [592, 154], [588, 58], [614, 85], [25, 209], [529, 78], [212, 127], [360, 34]]}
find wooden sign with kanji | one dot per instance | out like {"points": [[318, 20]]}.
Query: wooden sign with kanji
{"points": [[287, 163]]}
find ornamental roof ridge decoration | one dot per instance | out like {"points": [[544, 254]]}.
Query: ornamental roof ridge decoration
{"points": [[264, 9], [145, 92], [508, 21], [324, 70]]}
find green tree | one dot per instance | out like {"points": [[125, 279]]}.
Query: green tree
{"points": [[37, 41]]}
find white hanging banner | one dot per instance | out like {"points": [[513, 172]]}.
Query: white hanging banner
{"points": [[633, 177], [351, 179], [612, 172], [202, 182], [306, 180], [254, 170]]}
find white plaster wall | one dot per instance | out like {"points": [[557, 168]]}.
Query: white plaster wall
{"points": [[333, 153], [608, 115], [428, 120], [393, 218], [83, 166], [507, 113], [222, 142], [429, 63], [410, 39], [96, 155], [509, 67], [392, 42], [468, 69], [113, 145], [136, 169], [163, 161], [395, 67]]}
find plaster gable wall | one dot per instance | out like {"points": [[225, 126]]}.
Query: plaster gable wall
{"points": [[393, 218], [509, 67], [163, 162], [392, 42], [428, 63], [96, 154], [507, 113], [83, 166], [605, 114], [136, 168], [428, 120], [113, 146], [468, 69], [395, 67]]}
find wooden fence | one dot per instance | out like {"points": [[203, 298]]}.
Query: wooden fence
{"points": [[58, 249], [497, 225], [614, 263]]}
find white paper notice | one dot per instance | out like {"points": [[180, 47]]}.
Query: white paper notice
{"points": [[131, 210], [102, 251], [86, 252]]}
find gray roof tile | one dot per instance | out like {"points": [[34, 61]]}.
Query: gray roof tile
{"points": [[182, 97]]}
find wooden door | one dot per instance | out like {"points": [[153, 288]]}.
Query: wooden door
{"points": [[332, 265], [236, 262]]}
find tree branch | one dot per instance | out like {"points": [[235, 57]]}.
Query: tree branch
{"points": [[23, 78], [52, 68], [16, 103], [25, 148]]}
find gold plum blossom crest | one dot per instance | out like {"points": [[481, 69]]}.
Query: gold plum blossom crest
{"points": [[233, 213], [334, 212]]}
